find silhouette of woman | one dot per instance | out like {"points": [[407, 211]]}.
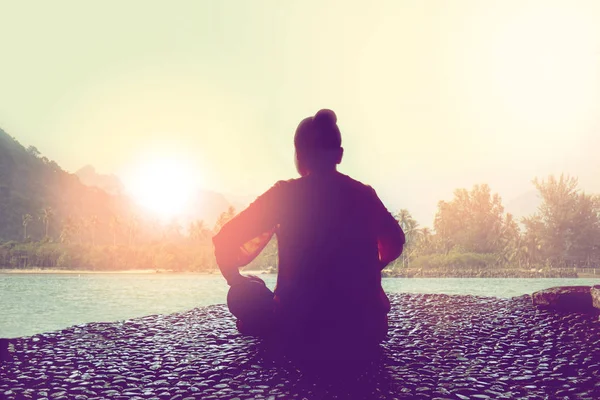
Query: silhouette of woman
{"points": [[334, 237]]}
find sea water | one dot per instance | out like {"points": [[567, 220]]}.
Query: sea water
{"points": [[36, 303]]}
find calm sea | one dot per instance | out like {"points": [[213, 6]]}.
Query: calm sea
{"points": [[36, 303]]}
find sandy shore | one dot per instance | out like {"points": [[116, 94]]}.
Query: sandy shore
{"points": [[439, 347]]}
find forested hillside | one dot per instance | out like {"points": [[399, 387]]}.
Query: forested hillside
{"points": [[37, 197]]}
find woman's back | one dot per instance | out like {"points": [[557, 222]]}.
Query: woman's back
{"points": [[327, 239]]}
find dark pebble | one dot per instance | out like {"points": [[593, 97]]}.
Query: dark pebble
{"points": [[439, 346]]}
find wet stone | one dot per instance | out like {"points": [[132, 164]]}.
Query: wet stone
{"points": [[439, 346]]}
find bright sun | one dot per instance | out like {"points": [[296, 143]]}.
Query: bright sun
{"points": [[163, 186]]}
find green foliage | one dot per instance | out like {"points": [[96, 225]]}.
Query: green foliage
{"points": [[455, 260], [566, 228], [473, 220], [473, 233], [267, 259]]}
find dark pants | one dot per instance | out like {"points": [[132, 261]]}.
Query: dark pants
{"points": [[328, 329], [318, 337]]}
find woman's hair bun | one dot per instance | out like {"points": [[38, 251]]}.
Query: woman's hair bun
{"points": [[318, 132], [325, 117]]}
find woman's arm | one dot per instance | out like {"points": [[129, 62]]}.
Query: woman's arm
{"points": [[242, 238], [390, 237]]}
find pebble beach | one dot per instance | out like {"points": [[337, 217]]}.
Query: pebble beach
{"points": [[438, 347]]}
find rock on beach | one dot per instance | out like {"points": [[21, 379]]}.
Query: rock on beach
{"points": [[439, 347], [565, 298], [595, 293]]}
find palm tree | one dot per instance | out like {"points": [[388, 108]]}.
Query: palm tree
{"points": [[26, 220], [508, 241], [132, 226], [224, 218], [424, 243], [197, 230], [173, 229], [409, 226], [47, 214], [69, 230], [92, 223], [114, 227]]}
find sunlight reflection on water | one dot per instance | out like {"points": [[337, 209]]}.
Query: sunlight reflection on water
{"points": [[35, 303]]}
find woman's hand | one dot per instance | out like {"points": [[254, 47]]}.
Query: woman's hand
{"points": [[236, 278]]}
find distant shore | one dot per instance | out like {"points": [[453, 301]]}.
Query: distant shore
{"points": [[82, 271], [491, 273], [408, 273]]}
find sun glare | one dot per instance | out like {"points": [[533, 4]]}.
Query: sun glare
{"points": [[163, 186]]}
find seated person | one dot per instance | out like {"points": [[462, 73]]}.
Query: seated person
{"points": [[334, 237]]}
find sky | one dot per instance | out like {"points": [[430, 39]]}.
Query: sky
{"points": [[430, 96]]}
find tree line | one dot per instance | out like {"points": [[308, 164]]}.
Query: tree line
{"points": [[472, 235]]}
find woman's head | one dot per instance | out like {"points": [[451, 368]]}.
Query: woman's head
{"points": [[318, 143]]}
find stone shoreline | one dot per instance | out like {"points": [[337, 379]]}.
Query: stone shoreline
{"points": [[440, 346]]}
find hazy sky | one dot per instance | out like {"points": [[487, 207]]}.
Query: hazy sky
{"points": [[430, 95]]}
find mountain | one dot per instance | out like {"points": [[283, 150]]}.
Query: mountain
{"points": [[524, 205], [31, 183], [239, 202], [88, 205], [208, 205], [205, 205], [109, 183]]}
